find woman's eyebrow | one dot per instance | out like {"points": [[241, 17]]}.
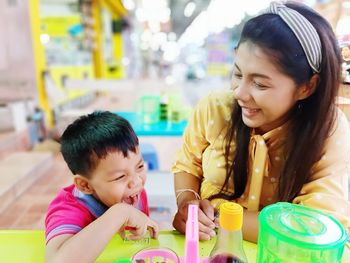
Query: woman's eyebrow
{"points": [[254, 74], [260, 75]]}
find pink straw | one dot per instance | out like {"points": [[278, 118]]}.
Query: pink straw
{"points": [[192, 236]]}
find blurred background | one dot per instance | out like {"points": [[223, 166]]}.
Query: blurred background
{"points": [[147, 60]]}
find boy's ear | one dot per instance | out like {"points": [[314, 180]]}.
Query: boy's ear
{"points": [[82, 183], [308, 88]]}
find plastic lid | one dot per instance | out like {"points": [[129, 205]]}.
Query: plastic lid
{"points": [[302, 226], [231, 216]]}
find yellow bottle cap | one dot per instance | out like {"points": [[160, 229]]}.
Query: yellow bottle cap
{"points": [[231, 216]]}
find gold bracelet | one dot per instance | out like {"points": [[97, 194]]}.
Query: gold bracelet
{"points": [[181, 191]]}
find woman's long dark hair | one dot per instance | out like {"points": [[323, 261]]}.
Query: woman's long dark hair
{"points": [[312, 119]]}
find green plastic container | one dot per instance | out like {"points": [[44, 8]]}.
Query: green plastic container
{"points": [[148, 109], [295, 233]]}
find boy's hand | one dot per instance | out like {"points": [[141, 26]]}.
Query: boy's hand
{"points": [[139, 223], [205, 218]]}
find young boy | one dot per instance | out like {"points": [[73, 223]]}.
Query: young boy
{"points": [[102, 151]]}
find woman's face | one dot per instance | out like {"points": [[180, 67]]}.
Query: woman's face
{"points": [[265, 94]]}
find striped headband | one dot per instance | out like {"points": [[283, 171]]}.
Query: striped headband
{"points": [[303, 30]]}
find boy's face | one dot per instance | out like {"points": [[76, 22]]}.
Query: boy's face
{"points": [[119, 179]]}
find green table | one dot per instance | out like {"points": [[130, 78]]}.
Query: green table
{"points": [[29, 246]]}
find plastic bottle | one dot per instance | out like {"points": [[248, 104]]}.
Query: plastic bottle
{"points": [[229, 243], [163, 107]]}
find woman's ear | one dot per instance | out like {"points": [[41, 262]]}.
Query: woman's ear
{"points": [[308, 88], [82, 183]]}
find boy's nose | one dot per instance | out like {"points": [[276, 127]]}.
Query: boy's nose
{"points": [[135, 181]]}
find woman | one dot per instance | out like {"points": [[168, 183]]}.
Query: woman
{"points": [[277, 135]]}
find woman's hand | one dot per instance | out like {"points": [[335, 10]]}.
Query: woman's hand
{"points": [[206, 218]]}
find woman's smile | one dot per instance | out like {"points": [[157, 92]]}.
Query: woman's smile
{"points": [[250, 112]]}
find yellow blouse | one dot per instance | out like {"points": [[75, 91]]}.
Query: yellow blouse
{"points": [[202, 155]]}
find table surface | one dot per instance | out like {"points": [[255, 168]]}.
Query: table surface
{"points": [[29, 246], [161, 128]]}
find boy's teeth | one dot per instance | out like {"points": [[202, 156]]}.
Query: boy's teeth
{"points": [[131, 200]]}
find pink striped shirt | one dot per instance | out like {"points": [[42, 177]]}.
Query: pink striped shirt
{"points": [[73, 210]]}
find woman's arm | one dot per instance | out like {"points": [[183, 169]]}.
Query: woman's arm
{"points": [[250, 226], [206, 210], [199, 136], [186, 181]]}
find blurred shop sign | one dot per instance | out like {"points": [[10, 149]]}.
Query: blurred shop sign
{"points": [[59, 26], [219, 54]]}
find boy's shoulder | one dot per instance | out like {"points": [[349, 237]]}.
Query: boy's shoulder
{"points": [[65, 195], [65, 211], [66, 200], [66, 206]]}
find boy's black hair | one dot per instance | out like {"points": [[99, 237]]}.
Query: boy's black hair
{"points": [[91, 137]]}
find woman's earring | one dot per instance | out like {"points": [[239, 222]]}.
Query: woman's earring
{"points": [[299, 107]]}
